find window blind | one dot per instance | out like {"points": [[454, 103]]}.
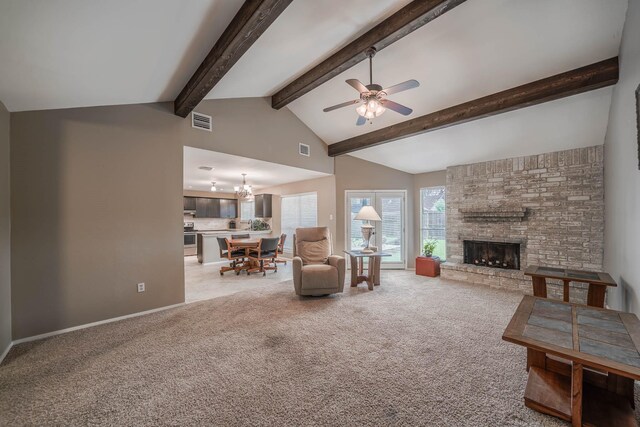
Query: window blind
{"points": [[247, 210], [297, 210], [432, 218]]}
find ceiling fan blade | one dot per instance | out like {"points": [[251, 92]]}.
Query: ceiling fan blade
{"points": [[409, 84], [361, 120], [398, 108], [357, 85], [344, 104]]}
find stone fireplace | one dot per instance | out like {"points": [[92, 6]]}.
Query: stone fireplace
{"points": [[546, 209]]}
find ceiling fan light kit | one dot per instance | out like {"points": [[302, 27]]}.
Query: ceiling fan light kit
{"points": [[373, 102]]}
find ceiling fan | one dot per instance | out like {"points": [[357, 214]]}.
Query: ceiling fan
{"points": [[373, 101]]}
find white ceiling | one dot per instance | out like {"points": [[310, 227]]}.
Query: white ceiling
{"points": [[478, 48], [228, 170], [535, 130], [75, 53], [70, 53], [306, 33]]}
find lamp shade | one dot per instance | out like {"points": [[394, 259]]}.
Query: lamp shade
{"points": [[367, 213]]}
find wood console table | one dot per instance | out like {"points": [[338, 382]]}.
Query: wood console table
{"points": [[601, 346], [373, 270], [597, 281]]}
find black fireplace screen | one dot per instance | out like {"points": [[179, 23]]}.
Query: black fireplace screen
{"points": [[492, 254]]}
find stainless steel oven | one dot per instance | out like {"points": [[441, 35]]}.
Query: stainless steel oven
{"points": [[190, 237]]}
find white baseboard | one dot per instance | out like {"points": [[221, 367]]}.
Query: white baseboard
{"points": [[3, 355], [89, 325]]}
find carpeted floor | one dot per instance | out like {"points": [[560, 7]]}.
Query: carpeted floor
{"points": [[415, 351]]}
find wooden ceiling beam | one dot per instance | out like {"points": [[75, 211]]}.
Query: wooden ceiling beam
{"points": [[584, 79], [253, 19], [406, 20]]}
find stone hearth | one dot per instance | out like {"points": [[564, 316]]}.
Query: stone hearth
{"points": [[552, 204]]}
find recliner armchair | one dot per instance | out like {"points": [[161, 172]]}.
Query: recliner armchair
{"points": [[316, 271]]}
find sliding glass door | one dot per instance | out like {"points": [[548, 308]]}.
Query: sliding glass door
{"points": [[389, 233]]}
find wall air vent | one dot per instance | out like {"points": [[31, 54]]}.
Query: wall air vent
{"points": [[201, 121], [304, 149]]}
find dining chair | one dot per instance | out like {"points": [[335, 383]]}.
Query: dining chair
{"points": [[283, 238], [267, 250], [234, 255], [240, 236]]}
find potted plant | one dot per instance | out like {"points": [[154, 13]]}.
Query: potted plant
{"points": [[428, 264], [429, 247]]}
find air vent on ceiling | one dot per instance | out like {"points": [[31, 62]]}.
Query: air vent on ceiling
{"points": [[201, 121], [304, 149]]}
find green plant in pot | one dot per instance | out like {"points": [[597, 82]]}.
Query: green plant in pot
{"points": [[429, 247], [259, 225]]}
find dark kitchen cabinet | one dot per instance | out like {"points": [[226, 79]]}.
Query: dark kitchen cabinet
{"points": [[189, 203], [207, 208], [228, 208], [215, 208], [263, 205]]}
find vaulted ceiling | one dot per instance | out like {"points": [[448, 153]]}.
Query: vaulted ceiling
{"points": [[69, 53]]}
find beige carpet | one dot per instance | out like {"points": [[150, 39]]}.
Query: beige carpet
{"points": [[413, 352]]}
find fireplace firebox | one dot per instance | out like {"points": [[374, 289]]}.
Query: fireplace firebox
{"points": [[492, 254]]}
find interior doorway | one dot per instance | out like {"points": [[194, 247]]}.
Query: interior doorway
{"points": [[390, 233]]}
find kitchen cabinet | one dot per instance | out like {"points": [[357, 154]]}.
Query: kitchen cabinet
{"points": [[207, 208], [228, 208], [189, 203], [263, 205], [204, 207], [215, 208]]}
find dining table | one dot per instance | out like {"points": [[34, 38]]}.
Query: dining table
{"points": [[247, 244]]}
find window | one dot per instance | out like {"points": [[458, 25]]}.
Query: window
{"points": [[247, 210], [432, 218], [298, 210]]}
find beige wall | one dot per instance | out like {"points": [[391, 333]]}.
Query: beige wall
{"points": [[422, 180], [326, 189], [5, 233], [97, 203], [622, 177], [97, 197], [249, 127], [356, 174]]}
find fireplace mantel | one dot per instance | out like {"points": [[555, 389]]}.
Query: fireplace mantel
{"points": [[488, 214]]}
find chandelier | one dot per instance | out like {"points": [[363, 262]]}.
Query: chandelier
{"points": [[243, 191]]}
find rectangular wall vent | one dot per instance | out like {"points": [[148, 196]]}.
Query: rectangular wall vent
{"points": [[304, 149], [201, 121]]}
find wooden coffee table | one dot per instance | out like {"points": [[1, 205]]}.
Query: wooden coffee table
{"points": [[373, 270], [582, 361], [598, 282]]}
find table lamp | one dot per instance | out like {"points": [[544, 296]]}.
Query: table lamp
{"points": [[367, 213]]}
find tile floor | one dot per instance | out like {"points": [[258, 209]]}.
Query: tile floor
{"points": [[205, 282]]}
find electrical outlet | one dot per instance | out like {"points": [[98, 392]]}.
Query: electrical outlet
{"points": [[140, 287]]}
